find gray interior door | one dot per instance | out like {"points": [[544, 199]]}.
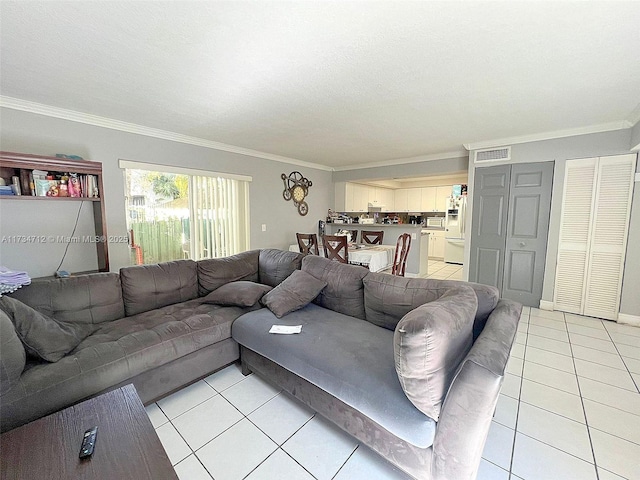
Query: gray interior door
{"points": [[527, 229], [489, 225]]}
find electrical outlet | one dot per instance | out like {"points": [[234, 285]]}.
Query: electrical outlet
{"points": [[413, 236], [264, 227]]}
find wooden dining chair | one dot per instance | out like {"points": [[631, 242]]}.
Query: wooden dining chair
{"points": [[333, 246], [308, 243], [400, 258], [372, 238]]}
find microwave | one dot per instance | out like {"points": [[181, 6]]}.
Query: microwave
{"points": [[435, 222]]}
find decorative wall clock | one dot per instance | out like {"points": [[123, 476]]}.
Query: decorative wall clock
{"points": [[296, 187]]}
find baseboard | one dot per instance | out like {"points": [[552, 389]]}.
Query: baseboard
{"points": [[629, 319], [546, 305]]}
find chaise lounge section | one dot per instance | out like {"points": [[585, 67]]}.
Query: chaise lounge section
{"points": [[345, 364]]}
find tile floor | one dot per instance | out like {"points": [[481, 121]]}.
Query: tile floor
{"points": [[569, 409], [440, 270], [444, 271]]}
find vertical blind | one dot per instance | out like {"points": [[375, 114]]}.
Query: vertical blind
{"points": [[218, 216], [218, 209]]}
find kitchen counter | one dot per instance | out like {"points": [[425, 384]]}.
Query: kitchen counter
{"points": [[392, 232], [374, 226]]}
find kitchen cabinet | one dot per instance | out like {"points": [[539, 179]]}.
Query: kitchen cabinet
{"points": [[384, 197], [434, 199], [360, 198], [414, 200], [436, 244], [428, 202], [354, 197], [381, 198], [401, 200], [442, 194], [424, 255]]}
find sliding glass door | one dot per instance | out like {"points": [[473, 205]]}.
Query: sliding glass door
{"points": [[175, 216]]}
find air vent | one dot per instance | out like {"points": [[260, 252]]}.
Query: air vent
{"points": [[493, 155]]}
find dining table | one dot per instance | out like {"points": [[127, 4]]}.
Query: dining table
{"points": [[376, 257]]}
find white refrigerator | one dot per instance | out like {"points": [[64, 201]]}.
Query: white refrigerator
{"points": [[454, 227]]}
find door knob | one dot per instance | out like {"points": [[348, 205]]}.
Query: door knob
{"points": [[522, 244]]}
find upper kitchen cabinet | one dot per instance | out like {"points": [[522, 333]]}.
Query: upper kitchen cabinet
{"points": [[415, 200], [401, 200], [442, 194], [408, 200], [381, 198], [434, 199], [360, 198], [428, 203], [354, 197]]}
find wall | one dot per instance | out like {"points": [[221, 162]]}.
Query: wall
{"points": [[560, 150], [635, 137], [417, 169], [32, 133]]}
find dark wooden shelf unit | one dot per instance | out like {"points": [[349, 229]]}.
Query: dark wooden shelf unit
{"points": [[22, 161]]}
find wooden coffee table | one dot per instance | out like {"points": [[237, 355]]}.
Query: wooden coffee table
{"points": [[127, 446]]}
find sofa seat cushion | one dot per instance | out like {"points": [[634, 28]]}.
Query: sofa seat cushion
{"points": [[349, 358], [119, 350]]}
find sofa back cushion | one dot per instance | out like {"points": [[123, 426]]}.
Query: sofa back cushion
{"points": [[93, 298], [429, 344], [387, 298], [147, 287], [276, 265], [344, 292], [12, 355], [215, 272]]}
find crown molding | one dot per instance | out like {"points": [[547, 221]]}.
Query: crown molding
{"points": [[401, 161], [98, 121], [536, 137], [634, 116]]}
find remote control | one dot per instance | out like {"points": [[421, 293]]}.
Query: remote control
{"points": [[88, 442]]}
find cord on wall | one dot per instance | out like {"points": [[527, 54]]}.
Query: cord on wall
{"points": [[69, 242]]}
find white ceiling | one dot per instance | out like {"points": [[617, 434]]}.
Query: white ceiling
{"points": [[334, 83]]}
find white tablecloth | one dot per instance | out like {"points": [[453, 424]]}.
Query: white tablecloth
{"points": [[376, 257]]}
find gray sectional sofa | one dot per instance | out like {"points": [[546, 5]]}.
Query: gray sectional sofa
{"points": [[410, 367]]}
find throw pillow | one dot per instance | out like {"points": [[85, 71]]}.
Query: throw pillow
{"points": [[296, 291], [240, 294], [429, 343], [44, 337]]}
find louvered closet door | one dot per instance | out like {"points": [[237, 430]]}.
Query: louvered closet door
{"points": [[577, 204], [609, 235]]}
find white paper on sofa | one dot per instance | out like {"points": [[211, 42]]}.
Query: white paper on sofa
{"points": [[286, 329]]}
